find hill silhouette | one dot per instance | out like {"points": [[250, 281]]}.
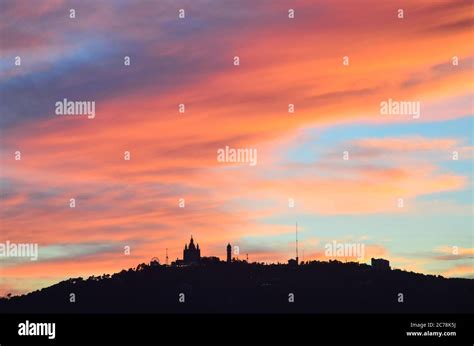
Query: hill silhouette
{"points": [[317, 287]]}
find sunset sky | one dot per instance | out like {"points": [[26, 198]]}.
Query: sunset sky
{"points": [[174, 155]]}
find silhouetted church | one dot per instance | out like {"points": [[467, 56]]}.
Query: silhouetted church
{"points": [[191, 253]]}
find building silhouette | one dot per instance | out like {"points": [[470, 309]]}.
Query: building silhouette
{"points": [[380, 264], [192, 256], [229, 253], [191, 253]]}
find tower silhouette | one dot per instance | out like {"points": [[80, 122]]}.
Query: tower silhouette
{"points": [[229, 253]]}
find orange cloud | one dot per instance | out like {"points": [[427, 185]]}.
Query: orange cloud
{"points": [[462, 270]]}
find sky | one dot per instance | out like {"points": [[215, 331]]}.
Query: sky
{"points": [[173, 155]]}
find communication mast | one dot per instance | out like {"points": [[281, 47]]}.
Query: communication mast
{"points": [[296, 243]]}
